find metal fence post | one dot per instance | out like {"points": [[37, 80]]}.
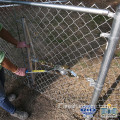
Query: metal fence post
{"points": [[113, 40], [64, 7]]}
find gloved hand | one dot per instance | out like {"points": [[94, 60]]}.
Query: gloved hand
{"points": [[22, 45], [21, 71]]}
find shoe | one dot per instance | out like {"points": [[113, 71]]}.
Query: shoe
{"points": [[11, 97], [20, 115]]}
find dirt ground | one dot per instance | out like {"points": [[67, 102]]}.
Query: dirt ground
{"points": [[42, 108]]}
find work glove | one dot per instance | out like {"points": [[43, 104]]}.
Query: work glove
{"points": [[21, 72], [22, 45]]}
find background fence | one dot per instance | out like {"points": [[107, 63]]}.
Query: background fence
{"points": [[64, 37]]}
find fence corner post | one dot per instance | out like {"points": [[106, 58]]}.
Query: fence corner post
{"points": [[112, 43]]}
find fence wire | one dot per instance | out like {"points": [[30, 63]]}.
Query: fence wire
{"points": [[64, 38]]}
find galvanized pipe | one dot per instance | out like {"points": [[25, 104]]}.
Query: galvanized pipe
{"points": [[65, 7], [112, 43], [28, 51], [13, 5]]}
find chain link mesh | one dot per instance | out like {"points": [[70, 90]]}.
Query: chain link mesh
{"points": [[64, 38]]}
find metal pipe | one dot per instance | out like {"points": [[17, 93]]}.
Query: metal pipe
{"points": [[112, 43], [31, 44], [13, 5], [65, 7], [28, 50]]}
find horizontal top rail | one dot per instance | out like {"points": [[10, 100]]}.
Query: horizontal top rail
{"points": [[65, 7], [1, 6]]}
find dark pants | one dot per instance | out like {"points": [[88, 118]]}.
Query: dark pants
{"points": [[4, 102]]}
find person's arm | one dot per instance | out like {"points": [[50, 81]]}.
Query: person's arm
{"points": [[13, 68], [4, 34], [8, 37], [6, 63], [9, 65]]}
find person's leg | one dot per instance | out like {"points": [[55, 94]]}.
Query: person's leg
{"points": [[2, 77], [4, 102], [11, 97]]}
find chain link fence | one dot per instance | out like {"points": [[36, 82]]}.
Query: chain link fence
{"points": [[65, 38]]}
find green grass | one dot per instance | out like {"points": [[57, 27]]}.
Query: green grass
{"points": [[118, 54], [58, 18], [60, 40], [117, 64], [100, 19], [52, 39], [83, 64]]}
